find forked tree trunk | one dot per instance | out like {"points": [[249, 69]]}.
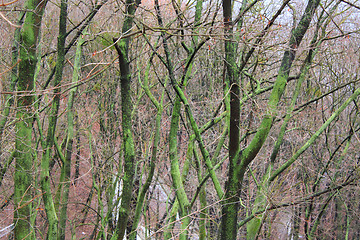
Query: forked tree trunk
{"points": [[239, 160]]}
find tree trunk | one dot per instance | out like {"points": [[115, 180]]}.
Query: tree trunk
{"points": [[241, 159], [126, 107], [24, 152]]}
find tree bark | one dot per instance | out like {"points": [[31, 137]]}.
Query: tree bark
{"points": [[122, 48], [24, 164], [241, 159]]}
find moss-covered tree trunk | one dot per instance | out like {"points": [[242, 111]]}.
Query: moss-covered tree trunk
{"points": [[122, 47], [230, 203], [66, 168], [49, 143], [254, 225], [23, 176], [240, 160]]}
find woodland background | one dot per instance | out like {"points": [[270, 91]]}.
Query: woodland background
{"points": [[179, 119]]}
